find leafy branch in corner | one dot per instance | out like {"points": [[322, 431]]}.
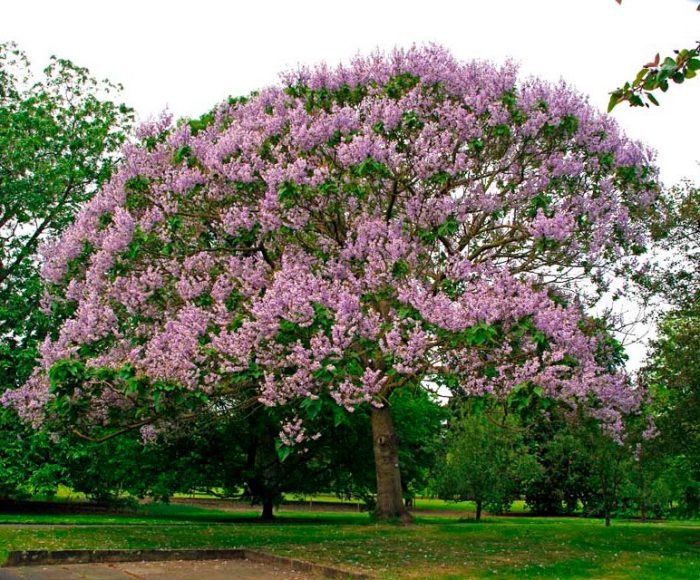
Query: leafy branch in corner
{"points": [[656, 75]]}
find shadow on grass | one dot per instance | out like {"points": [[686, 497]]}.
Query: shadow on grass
{"points": [[53, 513], [86, 514]]}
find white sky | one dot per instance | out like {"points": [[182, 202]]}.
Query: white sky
{"points": [[187, 56]]}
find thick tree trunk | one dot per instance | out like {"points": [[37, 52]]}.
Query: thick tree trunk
{"points": [[478, 511], [386, 459]]}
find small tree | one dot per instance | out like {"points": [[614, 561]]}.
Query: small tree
{"points": [[607, 473], [565, 477], [484, 462]]}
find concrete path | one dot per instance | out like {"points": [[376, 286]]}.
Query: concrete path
{"points": [[178, 570]]}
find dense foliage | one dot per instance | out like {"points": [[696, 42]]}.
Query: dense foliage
{"points": [[672, 369], [486, 462]]}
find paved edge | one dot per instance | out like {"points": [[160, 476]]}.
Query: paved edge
{"points": [[47, 557]]}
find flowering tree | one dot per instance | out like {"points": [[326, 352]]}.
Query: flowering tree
{"points": [[408, 221]]}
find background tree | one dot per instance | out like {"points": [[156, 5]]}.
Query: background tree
{"points": [[60, 133], [484, 462], [671, 370], [563, 483], [607, 472], [419, 422], [672, 373], [406, 221], [671, 277]]}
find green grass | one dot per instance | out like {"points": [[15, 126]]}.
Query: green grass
{"points": [[438, 546]]}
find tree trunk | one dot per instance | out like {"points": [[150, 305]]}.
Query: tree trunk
{"points": [[643, 498], [606, 500], [478, 510], [264, 484], [267, 513], [386, 459]]}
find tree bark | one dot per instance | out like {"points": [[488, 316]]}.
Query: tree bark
{"points": [[478, 510], [386, 459], [267, 513]]}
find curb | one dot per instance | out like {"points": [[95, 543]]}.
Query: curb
{"points": [[17, 558]]}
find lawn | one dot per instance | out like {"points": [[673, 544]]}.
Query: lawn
{"points": [[434, 547]]}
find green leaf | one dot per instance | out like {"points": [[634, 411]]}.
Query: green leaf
{"points": [[287, 191], [449, 227], [651, 82], [400, 269], [338, 415], [182, 153], [569, 123], [283, 451], [137, 184], [476, 144], [669, 63], [694, 64], [490, 372], [312, 407]]}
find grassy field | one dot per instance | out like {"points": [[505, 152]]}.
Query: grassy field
{"points": [[437, 546]]}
